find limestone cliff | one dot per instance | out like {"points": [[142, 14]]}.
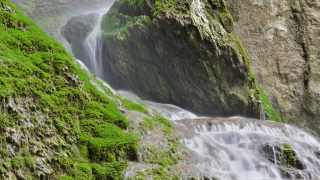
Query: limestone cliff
{"points": [[180, 52], [282, 41]]}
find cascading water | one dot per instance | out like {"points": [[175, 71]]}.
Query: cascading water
{"points": [[167, 111], [229, 148], [238, 149], [93, 46]]}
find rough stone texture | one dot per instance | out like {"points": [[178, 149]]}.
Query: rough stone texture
{"points": [[51, 15], [185, 60], [81, 25], [282, 41]]}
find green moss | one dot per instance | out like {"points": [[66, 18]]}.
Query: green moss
{"points": [[242, 51], [159, 8], [289, 156], [17, 162], [132, 106], [269, 111], [146, 125], [66, 178], [4, 153]]}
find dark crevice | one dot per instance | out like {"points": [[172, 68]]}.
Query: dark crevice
{"points": [[306, 77]]}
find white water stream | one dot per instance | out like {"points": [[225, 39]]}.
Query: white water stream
{"points": [[238, 149], [233, 148], [93, 46]]}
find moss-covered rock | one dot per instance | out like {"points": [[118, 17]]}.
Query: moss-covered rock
{"points": [[180, 52]]}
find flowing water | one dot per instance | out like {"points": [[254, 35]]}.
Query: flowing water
{"points": [[237, 148], [93, 46], [233, 148], [167, 111]]}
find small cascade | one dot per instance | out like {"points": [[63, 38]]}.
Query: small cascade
{"points": [[274, 155], [93, 46], [234, 148], [168, 111], [262, 115]]}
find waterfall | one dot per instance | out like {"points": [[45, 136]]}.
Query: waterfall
{"points": [[274, 155], [227, 148], [93, 46]]}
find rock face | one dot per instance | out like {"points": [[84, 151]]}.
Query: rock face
{"points": [[81, 25], [51, 15], [283, 43], [185, 54]]}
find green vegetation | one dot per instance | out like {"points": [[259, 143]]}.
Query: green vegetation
{"points": [[318, 63], [289, 156], [17, 162], [132, 106], [116, 23], [159, 9], [176, 6], [270, 113], [37, 70], [165, 156]]}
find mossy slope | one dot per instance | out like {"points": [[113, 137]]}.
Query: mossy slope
{"points": [[53, 121]]}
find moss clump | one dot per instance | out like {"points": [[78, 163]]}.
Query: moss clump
{"points": [[176, 6], [270, 113], [18, 162], [29, 162], [4, 153], [289, 156]]}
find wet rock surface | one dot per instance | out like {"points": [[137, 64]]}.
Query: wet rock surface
{"points": [[178, 59], [79, 26], [282, 41]]}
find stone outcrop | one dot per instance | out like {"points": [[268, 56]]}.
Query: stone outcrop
{"points": [[79, 26], [186, 54], [282, 41]]}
